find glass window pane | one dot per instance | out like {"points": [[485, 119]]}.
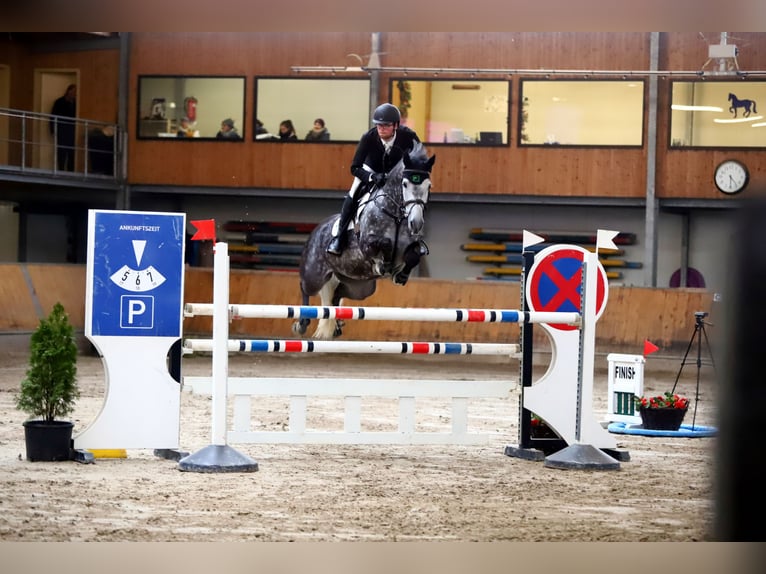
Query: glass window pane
{"points": [[717, 114], [582, 113], [164, 101], [343, 104], [454, 111]]}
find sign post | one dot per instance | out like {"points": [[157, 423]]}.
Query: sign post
{"points": [[133, 316]]}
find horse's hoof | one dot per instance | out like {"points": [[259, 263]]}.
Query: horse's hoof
{"points": [[401, 278], [299, 328]]}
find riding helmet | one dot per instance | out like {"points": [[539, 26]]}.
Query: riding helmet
{"points": [[386, 114]]}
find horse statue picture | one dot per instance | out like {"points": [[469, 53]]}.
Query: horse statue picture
{"points": [[386, 241], [737, 103]]}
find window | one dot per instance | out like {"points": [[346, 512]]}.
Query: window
{"points": [[581, 113], [163, 101], [343, 104], [717, 114], [454, 112]]}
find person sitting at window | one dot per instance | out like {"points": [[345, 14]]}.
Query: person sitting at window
{"points": [[185, 130], [287, 131], [228, 131], [261, 133], [319, 133]]}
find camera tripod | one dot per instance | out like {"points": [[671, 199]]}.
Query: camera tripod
{"points": [[698, 334]]}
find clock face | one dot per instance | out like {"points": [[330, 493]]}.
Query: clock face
{"points": [[731, 176]]}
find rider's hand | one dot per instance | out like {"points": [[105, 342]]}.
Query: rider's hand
{"points": [[379, 179]]}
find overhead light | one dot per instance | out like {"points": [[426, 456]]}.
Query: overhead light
{"points": [[695, 108], [738, 120]]}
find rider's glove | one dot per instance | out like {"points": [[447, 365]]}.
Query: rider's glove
{"points": [[379, 179]]}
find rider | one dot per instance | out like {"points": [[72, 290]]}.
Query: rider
{"points": [[379, 150]]}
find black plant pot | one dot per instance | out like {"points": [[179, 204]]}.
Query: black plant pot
{"points": [[48, 440], [662, 419]]}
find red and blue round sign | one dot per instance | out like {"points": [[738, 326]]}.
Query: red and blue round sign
{"points": [[555, 282]]}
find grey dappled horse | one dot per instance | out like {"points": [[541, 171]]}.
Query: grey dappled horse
{"points": [[386, 242]]}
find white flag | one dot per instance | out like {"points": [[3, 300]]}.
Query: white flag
{"points": [[528, 238], [604, 239]]}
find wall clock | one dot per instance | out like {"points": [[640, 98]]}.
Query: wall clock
{"points": [[731, 176]]}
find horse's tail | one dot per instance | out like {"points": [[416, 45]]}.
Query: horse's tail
{"points": [[754, 110]]}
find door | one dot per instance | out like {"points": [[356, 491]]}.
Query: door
{"points": [[50, 85]]}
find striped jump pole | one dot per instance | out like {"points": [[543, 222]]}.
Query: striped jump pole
{"points": [[387, 314], [384, 347]]}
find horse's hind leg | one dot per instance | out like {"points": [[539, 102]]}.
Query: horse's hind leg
{"points": [[339, 323], [326, 327]]}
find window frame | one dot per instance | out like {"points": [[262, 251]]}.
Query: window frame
{"points": [[505, 133], [180, 112], [724, 109], [556, 145], [331, 119]]}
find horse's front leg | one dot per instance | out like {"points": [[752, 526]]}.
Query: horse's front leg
{"points": [[411, 259], [380, 252], [326, 327], [301, 326]]}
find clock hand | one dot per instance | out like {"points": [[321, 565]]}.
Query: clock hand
{"points": [[731, 179]]}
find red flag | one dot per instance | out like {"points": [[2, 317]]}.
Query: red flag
{"points": [[205, 229], [649, 347]]}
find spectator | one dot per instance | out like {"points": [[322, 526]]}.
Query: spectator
{"points": [[63, 129], [287, 131], [261, 133], [186, 130], [319, 133], [101, 150], [228, 131]]}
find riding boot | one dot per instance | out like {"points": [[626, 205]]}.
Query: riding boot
{"points": [[338, 243]]}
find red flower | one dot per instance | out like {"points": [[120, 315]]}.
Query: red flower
{"points": [[666, 401]]}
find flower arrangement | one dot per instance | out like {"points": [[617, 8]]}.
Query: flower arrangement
{"points": [[662, 412], [667, 401], [540, 428]]}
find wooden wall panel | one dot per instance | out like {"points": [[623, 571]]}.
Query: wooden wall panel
{"points": [[689, 173], [63, 284], [632, 314], [17, 308], [511, 171], [97, 98], [47, 284]]}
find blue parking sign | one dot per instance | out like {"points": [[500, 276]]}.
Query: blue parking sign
{"points": [[135, 280]]}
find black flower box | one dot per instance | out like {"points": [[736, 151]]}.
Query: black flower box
{"points": [[662, 419]]}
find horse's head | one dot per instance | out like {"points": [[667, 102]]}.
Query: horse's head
{"points": [[732, 97], [416, 186]]}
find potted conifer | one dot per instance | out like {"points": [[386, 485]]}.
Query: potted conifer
{"points": [[50, 389]]}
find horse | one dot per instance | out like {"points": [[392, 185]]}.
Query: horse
{"points": [[386, 241], [737, 103]]}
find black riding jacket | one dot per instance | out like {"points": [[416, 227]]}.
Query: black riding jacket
{"points": [[372, 152]]}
